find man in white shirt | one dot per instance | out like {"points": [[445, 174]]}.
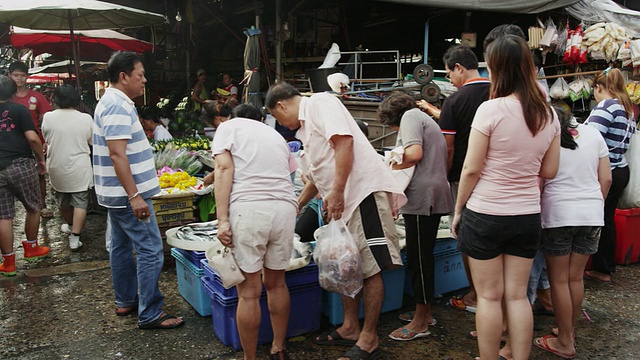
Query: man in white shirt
{"points": [[355, 185]]}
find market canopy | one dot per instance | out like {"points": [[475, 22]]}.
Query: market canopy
{"points": [[73, 15], [65, 65], [83, 14], [594, 11], [515, 6], [93, 44]]}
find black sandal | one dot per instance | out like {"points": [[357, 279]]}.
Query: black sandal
{"points": [[280, 355], [157, 324], [132, 310], [356, 353]]}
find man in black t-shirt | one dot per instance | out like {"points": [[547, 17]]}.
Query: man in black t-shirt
{"points": [[19, 144], [455, 120]]}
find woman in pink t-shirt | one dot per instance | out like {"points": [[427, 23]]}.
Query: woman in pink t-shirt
{"points": [[514, 140]]}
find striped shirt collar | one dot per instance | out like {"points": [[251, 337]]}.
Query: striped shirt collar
{"points": [[119, 94]]}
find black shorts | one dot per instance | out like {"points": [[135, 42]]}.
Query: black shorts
{"points": [[485, 237]]}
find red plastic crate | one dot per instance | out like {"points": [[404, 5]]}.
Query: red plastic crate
{"points": [[627, 236]]}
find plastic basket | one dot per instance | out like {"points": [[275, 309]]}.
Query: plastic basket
{"points": [[393, 290], [449, 274], [304, 315], [189, 284]]}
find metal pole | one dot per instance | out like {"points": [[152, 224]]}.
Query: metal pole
{"points": [[188, 71], [278, 41], [74, 53], [426, 42]]}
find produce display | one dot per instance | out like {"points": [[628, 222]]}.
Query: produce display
{"points": [[178, 159], [633, 89], [191, 143], [176, 182], [604, 40], [179, 180]]}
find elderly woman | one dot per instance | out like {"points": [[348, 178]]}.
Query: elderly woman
{"points": [[429, 198], [514, 140], [68, 134]]}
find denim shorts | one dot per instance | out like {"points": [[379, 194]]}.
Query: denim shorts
{"points": [[484, 237], [567, 239]]}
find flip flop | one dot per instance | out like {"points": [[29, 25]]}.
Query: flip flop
{"points": [[336, 339], [589, 275], [132, 310], [411, 334], [473, 335], [408, 317], [157, 324], [541, 342], [356, 353], [457, 303]]}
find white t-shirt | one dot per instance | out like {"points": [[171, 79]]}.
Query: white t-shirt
{"points": [[260, 159], [573, 197], [68, 134], [161, 133]]}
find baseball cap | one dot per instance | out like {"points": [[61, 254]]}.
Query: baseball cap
{"points": [[200, 72]]}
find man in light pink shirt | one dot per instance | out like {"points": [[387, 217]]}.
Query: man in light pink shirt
{"points": [[355, 185]]}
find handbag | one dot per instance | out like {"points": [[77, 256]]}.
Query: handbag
{"points": [[227, 268]]}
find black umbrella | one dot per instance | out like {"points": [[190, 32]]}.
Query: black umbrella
{"points": [[251, 94]]}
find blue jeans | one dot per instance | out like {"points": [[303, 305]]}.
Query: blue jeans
{"points": [[128, 233], [538, 278]]}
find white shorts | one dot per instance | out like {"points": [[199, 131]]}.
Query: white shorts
{"points": [[262, 234]]}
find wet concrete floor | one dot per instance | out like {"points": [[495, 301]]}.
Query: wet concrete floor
{"points": [[63, 308]]}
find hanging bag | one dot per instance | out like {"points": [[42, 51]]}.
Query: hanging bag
{"points": [[338, 259], [224, 263], [630, 197]]}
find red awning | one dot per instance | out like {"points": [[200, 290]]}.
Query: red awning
{"points": [[94, 44]]}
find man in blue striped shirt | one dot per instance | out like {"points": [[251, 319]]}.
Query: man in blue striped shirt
{"points": [[125, 180]]}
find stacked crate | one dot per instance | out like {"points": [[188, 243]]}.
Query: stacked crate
{"points": [[304, 316]]}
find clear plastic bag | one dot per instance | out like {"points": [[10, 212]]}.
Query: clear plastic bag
{"points": [[559, 89], [338, 259]]}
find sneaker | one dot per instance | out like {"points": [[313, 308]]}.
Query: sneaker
{"points": [[66, 228], [74, 242]]}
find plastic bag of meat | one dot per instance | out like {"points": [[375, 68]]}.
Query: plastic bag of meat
{"points": [[338, 259]]}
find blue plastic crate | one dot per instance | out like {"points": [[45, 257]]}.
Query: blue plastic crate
{"points": [[193, 256], [304, 276], [393, 289], [189, 284], [304, 314], [449, 274], [445, 244]]}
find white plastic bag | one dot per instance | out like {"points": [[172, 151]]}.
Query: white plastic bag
{"points": [[559, 89], [630, 197], [550, 34], [338, 259], [332, 57], [402, 177]]}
